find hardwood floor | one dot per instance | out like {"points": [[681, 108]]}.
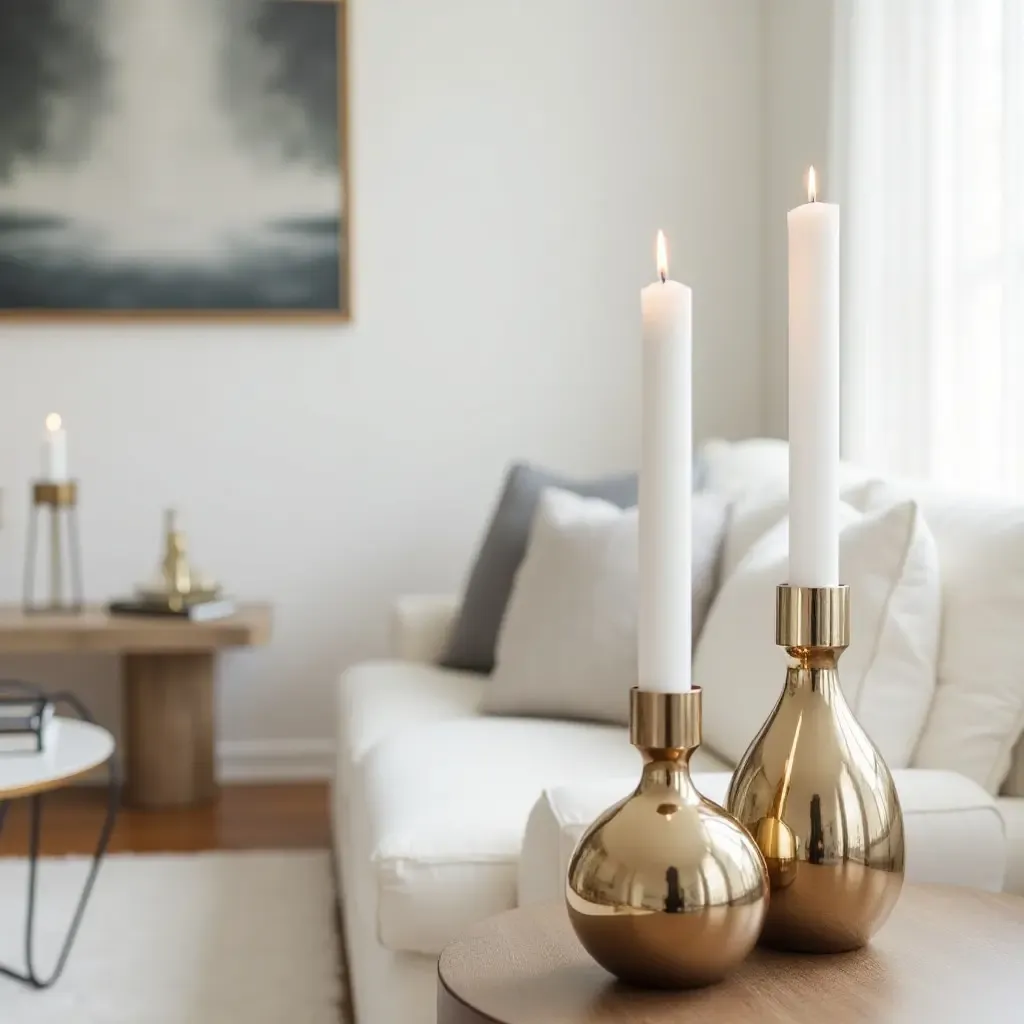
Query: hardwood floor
{"points": [[243, 818]]}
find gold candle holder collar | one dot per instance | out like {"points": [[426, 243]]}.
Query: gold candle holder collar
{"points": [[62, 494], [816, 794], [666, 889], [60, 498]]}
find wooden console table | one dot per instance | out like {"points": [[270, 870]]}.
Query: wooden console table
{"points": [[168, 679]]}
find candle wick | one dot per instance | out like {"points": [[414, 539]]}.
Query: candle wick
{"points": [[662, 276]]}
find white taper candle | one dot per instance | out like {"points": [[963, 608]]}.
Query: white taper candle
{"points": [[663, 626], [55, 451], [814, 392]]}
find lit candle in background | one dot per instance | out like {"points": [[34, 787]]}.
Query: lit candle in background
{"points": [[55, 450], [814, 392], [663, 625]]}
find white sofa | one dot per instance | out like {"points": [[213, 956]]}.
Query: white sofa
{"points": [[443, 816]]}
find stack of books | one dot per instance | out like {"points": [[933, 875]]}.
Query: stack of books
{"points": [[198, 611], [27, 725]]}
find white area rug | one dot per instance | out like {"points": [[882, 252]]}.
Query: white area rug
{"points": [[219, 938]]}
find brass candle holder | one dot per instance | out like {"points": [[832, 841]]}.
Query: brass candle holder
{"points": [[665, 889], [816, 795], [61, 500]]}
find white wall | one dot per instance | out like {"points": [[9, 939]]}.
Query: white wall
{"points": [[511, 165], [797, 69]]}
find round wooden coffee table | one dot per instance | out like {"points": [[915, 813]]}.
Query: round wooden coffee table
{"points": [[946, 954]]}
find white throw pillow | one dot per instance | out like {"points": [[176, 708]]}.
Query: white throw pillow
{"points": [[889, 561], [754, 513], [734, 468], [567, 645], [978, 710]]}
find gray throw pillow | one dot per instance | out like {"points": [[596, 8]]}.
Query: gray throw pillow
{"points": [[475, 634]]}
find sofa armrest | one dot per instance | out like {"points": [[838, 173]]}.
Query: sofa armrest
{"points": [[420, 626], [954, 832]]}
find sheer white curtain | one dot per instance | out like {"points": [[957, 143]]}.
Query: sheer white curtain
{"points": [[929, 150]]}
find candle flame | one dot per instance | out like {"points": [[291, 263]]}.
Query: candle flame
{"points": [[812, 186], [662, 256], [53, 422]]}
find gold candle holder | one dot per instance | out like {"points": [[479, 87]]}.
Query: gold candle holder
{"points": [[61, 499], [665, 889], [816, 795]]}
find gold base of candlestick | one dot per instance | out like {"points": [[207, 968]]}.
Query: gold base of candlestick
{"points": [[816, 795], [665, 889], [61, 500]]}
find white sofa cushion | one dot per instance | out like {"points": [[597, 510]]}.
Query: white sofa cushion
{"points": [[446, 806], [953, 830], [383, 699], [888, 673], [1012, 811], [978, 710], [567, 646]]}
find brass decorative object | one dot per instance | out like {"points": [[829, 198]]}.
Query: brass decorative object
{"points": [[665, 889], [816, 795], [61, 501], [177, 585]]}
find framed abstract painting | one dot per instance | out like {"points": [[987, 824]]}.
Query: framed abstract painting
{"points": [[174, 158]]}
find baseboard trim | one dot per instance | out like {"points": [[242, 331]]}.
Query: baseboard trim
{"points": [[275, 760]]}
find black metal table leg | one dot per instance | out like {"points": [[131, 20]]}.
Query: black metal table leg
{"points": [[31, 976]]}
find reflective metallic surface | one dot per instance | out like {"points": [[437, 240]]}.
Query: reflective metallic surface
{"points": [[177, 585], [817, 796], [812, 616], [56, 495], [667, 724], [665, 889]]}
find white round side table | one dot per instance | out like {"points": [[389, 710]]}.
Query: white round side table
{"points": [[75, 749], [79, 748]]}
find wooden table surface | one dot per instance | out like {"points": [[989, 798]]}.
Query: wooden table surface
{"points": [[93, 630], [946, 955], [168, 669]]}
